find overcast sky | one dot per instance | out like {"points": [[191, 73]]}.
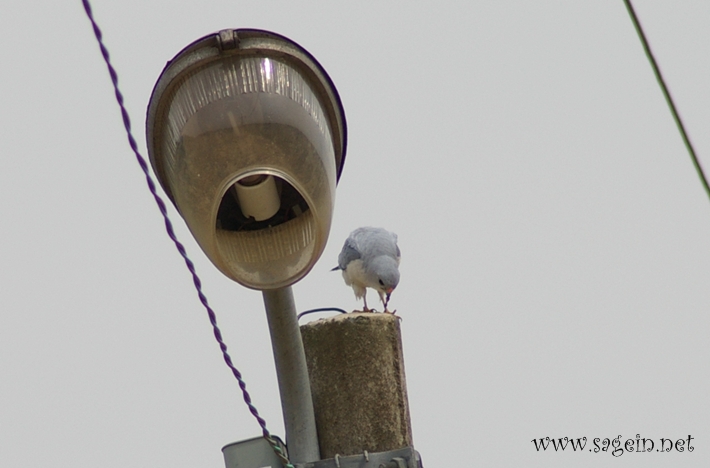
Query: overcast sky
{"points": [[554, 233]]}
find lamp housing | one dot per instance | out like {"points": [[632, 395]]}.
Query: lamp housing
{"points": [[247, 136]]}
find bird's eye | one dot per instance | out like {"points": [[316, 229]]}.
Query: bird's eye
{"points": [[381, 283]]}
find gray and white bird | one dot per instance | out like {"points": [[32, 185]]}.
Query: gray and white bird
{"points": [[370, 259]]}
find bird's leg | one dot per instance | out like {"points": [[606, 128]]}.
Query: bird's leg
{"points": [[393, 312], [364, 300], [387, 311], [386, 300]]}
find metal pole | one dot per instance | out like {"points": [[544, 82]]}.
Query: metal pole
{"points": [[292, 374]]}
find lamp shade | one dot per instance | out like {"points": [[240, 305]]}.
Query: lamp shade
{"points": [[247, 136]]}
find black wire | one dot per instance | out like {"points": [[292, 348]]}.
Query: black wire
{"points": [[667, 94], [322, 309]]}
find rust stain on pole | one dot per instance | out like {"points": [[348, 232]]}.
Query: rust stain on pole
{"points": [[359, 389]]}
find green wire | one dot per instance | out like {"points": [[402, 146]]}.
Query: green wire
{"points": [[667, 94]]}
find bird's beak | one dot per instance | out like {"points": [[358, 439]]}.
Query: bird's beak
{"points": [[389, 293]]}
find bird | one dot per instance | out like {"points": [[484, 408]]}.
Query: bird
{"points": [[370, 259]]}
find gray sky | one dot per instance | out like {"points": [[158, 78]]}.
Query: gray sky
{"points": [[555, 236]]}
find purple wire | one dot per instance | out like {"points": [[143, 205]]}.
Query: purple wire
{"points": [[171, 232]]}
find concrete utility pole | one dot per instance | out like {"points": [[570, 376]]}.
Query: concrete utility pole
{"points": [[356, 369]]}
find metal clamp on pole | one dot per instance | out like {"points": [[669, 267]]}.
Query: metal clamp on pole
{"points": [[397, 462], [401, 458]]}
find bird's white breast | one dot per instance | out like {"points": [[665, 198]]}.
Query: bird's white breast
{"points": [[355, 274]]}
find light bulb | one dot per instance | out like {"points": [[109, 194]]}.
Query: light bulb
{"points": [[258, 196]]}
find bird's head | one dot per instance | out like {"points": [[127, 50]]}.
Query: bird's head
{"points": [[387, 272]]}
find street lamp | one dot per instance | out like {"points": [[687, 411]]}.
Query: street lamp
{"points": [[247, 135]]}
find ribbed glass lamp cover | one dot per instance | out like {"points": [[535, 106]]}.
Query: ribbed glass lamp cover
{"points": [[233, 119]]}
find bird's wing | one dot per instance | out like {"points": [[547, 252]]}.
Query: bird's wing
{"points": [[373, 242], [348, 254], [398, 254]]}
